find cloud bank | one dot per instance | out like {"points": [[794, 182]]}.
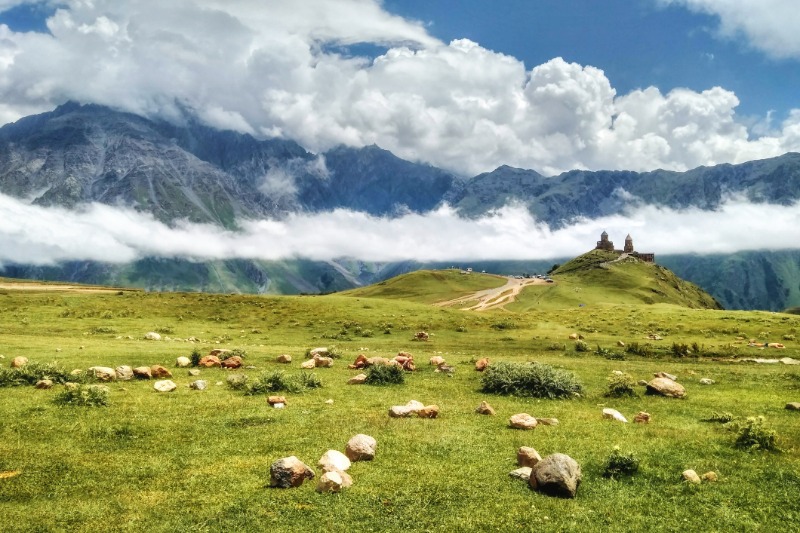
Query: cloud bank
{"points": [[43, 236], [282, 69]]}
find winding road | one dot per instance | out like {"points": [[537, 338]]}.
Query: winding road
{"points": [[494, 298]]}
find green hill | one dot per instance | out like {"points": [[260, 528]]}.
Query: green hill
{"points": [[429, 286], [601, 278]]}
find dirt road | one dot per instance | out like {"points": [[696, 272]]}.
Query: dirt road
{"points": [[54, 287], [494, 298]]}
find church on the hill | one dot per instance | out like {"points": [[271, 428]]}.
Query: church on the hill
{"points": [[608, 246]]}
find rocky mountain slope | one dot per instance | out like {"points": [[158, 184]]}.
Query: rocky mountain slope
{"points": [[185, 170]]}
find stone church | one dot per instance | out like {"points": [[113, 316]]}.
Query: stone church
{"points": [[608, 246]]}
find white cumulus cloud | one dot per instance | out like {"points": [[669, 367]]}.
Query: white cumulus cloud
{"points": [[276, 68]]}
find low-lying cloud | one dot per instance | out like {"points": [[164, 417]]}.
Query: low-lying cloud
{"points": [[37, 235]]}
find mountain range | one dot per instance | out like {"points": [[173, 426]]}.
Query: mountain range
{"points": [[184, 170]]}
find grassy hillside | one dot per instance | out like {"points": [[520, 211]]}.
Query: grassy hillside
{"points": [[429, 286], [594, 278], [199, 460]]}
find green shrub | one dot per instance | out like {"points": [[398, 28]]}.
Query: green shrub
{"points": [[385, 375], [557, 347], [620, 464], [644, 350], [532, 379], [195, 357], [32, 372], [102, 329], [621, 385], [309, 380], [581, 346], [680, 349], [752, 435], [84, 396], [236, 351], [504, 324], [165, 330], [721, 418], [236, 381], [269, 382]]}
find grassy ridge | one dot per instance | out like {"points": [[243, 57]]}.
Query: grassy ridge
{"points": [[199, 460]]}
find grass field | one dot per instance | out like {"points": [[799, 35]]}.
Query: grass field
{"points": [[199, 460]]}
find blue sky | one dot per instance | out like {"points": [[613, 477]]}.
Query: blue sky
{"points": [[465, 85]]}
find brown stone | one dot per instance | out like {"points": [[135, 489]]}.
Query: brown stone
{"points": [[522, 421], [429, 411], [573, 336], [359, 363], [481, 364], [673, 377], [272, 400], [485, 409], [556, 475], [158, 372], [232, 362], [289, 472], [641, 418], [103, 373], [437, 360], [142, 372], [357, 380], [44, 384], [209, 361], [308, 365], [523, 473], [421, 336], [19, 362], [322, 362], [793, 406], [666, 387], [361, 448], [547, 421], [527, 456], [710, 477], [285, 358], [219, 352]]}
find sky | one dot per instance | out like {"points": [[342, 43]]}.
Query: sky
{"points": [[468, 85]]}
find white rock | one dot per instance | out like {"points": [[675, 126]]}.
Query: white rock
{"points": [[707, 381], [613, 414], [523, 473], [522, 421], [124, 373], [402, 411], [334, 460], [183, 362], [165, 385], [691, 476], [199, 384], [311, 363], [103, 373], [361, 448], [152, 336], [330, 482]]}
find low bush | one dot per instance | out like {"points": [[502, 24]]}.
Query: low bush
{"points": [[644, 350], [680, 349], [557, 347], [752, 435], [621, 385], [32, 372], [620, 464], [385, 375], [236, 381], [720, 418], [84, 396], [195, 357], [236, 351], [270, 382], [581, 346], [532, 379]]}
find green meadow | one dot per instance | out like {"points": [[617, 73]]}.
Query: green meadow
{"points": [[199, 460]]}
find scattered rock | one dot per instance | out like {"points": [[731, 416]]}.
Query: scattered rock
{"points": [[665, 375], [334, 460], [329, 401], [183, 362], [285, 358], [523, 473], [219, 352], [19, 362], [44, 384], [402, 411], [481, 364], [361, 448], [654, 337], [777, 345], [405, 360], [124, 373], [642, 382], [377, 361], [330, 482], [209, 361], [321, 352], [194, 372], [527, 456], [484, 409], [429, 411], [613, 414], [103, 373], [142, 372], [789, 361], [620, 344], [547, 421], [158, 371], [522, 421], [573, 336], [323, 362], [691, 476], [273, 400], [289, 472], [232, 362], [308, 365], [165, 385], [152, 336], [437, 360], [556, 475], [198, 384], [421, 336], [447, 369], [357, 380], [665, 387], [793, 406], [360, 362], [711, 477], [706, 381], [641, 418]]}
